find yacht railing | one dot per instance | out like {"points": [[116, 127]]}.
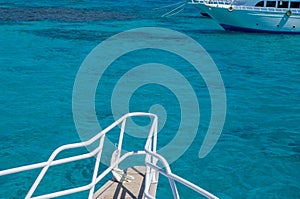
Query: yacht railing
{"points": [[212, 2], [221, 3], [151, 159]]}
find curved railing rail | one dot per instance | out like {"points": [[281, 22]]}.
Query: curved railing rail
{"points": [[149, 151]]}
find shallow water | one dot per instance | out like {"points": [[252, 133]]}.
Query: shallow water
{"points": [[43, 45]]}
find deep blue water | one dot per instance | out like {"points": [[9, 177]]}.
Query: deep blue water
{"points": [[42, 45]]}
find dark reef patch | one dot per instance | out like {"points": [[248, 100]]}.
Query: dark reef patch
{"points": [[58, 14]]}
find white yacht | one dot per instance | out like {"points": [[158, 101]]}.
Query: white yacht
{"points": [[254, 15]]}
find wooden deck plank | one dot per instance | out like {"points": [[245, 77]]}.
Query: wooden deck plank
{"points": [[126, 190]]}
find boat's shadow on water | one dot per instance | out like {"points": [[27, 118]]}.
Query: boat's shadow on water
{"points": [[70, 34]]}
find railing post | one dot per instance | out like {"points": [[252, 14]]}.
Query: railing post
{"points": [[154, 160], [96, 168], [174, 189], [120, 143]]}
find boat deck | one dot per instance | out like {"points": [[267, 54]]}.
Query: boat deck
{"points": [[125, 190]]}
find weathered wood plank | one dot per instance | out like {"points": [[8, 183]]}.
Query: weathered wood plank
{"points": [[126, 190]]}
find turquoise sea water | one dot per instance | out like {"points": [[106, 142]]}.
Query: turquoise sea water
{"points": [[42, 45]]}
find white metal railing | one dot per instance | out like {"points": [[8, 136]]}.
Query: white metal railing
{"points": [[229, 3], [150, 160], [266, 9], [213, 2]]}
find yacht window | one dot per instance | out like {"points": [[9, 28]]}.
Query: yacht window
{"points": [[295, 4], [271, 4], [283, 4], [260, 4]]}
